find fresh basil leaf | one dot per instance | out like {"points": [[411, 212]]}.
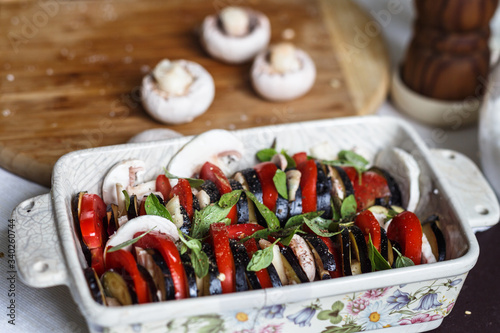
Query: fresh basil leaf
{"points": [[378, 261], [279, 180], [230, 199], [336, 214], [199, 259], [129, 242], [402, 261], [263, 233], [200, 263], [290, 161], [194, 182], [261, 259], [265, 155], [318, 229], [355, 160], [154, 207], [127, 200], [271, 219], [298, 220], [289, 235], [202, 219], [348, 208]]}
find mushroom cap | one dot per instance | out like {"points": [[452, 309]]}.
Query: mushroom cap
{"points": [[236, 50], [179, 109], [282, 87]]}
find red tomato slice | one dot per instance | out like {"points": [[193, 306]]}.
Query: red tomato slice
{"points": [[299, 158], [92, 212], [308, 179], [240, 231], [371, 187], [265, 172], [213, 173], [223, 256], [406, 230], [369, 226], [163, 186], [97, 260], [167, 248], [262, 275], [183, 190], [124, 259]]}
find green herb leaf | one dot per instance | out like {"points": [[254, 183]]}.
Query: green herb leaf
{"points": [[199, 259], [127, 200], [262, 258], [298, 220], [290, 161], [208, 215], [402, 261], [154, 207], [279, 180], [316, 226], [129, 242], [378, 261], [271, 219], [265, 155], [289, 235], [194, 182], [336, 214], [264, 233], [348, 208], [200, 263], [350, 158], [230, 199]]}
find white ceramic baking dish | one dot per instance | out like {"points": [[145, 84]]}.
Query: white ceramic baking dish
{"points": [[419, 297]]}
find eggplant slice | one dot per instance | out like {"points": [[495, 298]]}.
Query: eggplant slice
{"points": [[167, 275], [241, 261], [316, 244], [190, 274], [395, 198], [243, 214], [95, 285], [153, 294], [294, 263], [212, 284], [255, 188], [435, 236], [323, 192], [359, 249]]}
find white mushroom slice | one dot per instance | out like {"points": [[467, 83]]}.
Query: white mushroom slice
{"points": [[338, 187], [304, 255], [405, 171], [174, 208], [142, 224], [203, 199], [237, 39], [178, 104], [280, 161], [427, 254], [293, 183], [143, 189], [273, 84], [154, 134], [277, 260], [219, 147], [120, 176], [235, 21], [355, 267]]}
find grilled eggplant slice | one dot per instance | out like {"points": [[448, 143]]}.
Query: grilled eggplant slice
{"points": [[240, 263], [323, 192], [242, 204], [114, 286], [341, 185], [281, 210], [95, 285], [435, 237], [277, 261], [293, 262], [252, 180], [153, 292], [133, 208], [384, 244], [395, 197], [190, 274], [145, 259], [295, 206], [212, 283], [273, 274], [252, 217], [167, 275], [211, 190], [342, 245], [359, 250], [325, 261]]}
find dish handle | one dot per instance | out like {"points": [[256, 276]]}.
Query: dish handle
{"points": [[38, 253], [470, 192]]}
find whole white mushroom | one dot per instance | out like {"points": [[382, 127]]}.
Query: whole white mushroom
{"points": [[177, 91]]}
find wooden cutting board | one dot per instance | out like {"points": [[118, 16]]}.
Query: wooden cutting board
{"points": [[70, 71]]}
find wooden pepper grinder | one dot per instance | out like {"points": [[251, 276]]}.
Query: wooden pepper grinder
{"points": [[448, 57]]}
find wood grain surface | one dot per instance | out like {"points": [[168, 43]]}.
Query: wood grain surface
{"points": [[70, 71]]}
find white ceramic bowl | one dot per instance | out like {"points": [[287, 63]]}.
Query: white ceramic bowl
{"points": [[49, 253], [430, 111]]}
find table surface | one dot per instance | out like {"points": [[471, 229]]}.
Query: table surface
{"points": [[476, 309]]}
